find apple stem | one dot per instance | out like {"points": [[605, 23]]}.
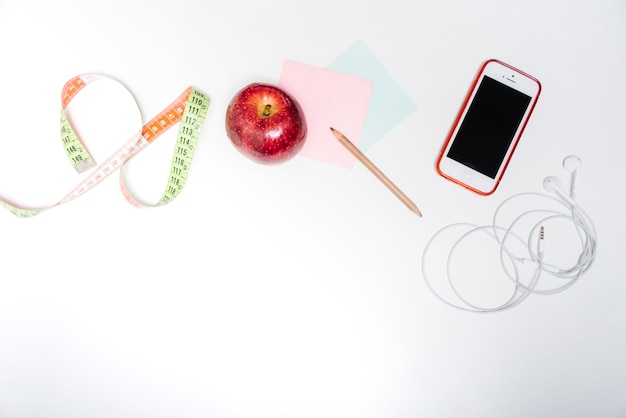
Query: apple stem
{"points": [[267, 112]]}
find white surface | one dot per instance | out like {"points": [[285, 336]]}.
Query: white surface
{"points": [[296, 290]]}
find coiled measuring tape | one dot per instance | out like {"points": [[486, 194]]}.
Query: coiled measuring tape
{"points": [[189, 110]]}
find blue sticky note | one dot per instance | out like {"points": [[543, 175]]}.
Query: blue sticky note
{"points": [[389, 104]]}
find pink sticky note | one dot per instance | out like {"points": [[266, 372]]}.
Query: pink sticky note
{"points": [[328, 98]]}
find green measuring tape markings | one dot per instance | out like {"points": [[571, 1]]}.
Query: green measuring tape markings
{"points": [[188, 111], [186, 143]]}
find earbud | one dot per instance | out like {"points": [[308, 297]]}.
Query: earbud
{"points": [[553, 185], [572, 164]]}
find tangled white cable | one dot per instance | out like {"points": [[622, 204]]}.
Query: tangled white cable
{"points": [[535, 222]]}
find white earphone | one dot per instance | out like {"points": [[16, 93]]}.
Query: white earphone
{"points": [[572, 164], [552, 184]]}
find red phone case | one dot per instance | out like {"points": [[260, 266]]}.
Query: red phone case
{"points": [[460, 114]]}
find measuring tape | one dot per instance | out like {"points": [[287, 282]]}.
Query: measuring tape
{"points": [[189, 110]]}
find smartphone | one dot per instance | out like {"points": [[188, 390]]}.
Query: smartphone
{"points": [[488, 127]]}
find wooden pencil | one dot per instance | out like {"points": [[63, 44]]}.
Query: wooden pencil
{"points": [[379, 174]]}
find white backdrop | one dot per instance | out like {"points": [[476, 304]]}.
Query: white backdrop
{"points": [[296, 290]]}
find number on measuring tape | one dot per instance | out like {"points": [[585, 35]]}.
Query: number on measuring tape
{"points": [[186, 143], [188, 110]]}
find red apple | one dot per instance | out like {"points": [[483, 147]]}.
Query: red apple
{"points": [[265, 123]]}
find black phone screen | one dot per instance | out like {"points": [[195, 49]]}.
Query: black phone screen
{"points": [[489, 127]]}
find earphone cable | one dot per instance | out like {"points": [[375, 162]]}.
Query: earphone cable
{"points": [[535, 258]]}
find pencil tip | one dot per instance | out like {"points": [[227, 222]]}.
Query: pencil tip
{"points": [[337, 134], [414, 209]]}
